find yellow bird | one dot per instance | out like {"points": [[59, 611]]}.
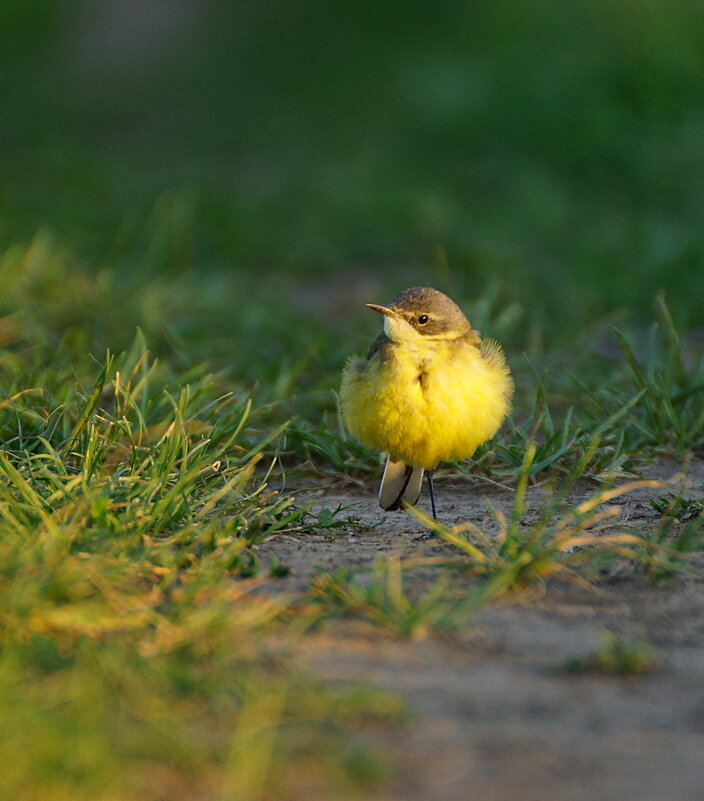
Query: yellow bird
{"points": [[429, 391]]}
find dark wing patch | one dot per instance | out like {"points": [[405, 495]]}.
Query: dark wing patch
{"points": [[379, 345]]}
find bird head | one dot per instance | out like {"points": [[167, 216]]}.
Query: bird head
{"points": [[422, 313]]}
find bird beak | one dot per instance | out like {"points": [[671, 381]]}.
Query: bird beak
{"points": [[387, 310]]}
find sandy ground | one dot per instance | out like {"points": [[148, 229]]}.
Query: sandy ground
{"points": [[494, 718]]}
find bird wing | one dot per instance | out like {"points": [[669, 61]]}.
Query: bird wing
{"points": [[379, 344]]}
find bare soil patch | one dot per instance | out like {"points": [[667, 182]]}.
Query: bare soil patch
{"points": [[495, 718]]}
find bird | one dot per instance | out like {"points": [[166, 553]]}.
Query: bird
{"points": [[430, 390]]}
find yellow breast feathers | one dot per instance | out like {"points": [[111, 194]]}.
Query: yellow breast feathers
{"points": [[428, 400]]}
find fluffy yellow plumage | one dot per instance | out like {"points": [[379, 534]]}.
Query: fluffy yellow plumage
{"points": [[429, 391], [460, 402]]}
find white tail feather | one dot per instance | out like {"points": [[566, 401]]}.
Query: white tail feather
{"points": [[399, 482]]}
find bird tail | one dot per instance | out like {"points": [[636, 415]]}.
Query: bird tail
{"points": [[400, 482]]}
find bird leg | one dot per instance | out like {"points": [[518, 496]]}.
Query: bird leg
{"points": [[432, 494]]}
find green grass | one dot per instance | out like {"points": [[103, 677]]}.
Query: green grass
{"points": [[678, 536], [527, 546], [135, 652], [678, 506]]}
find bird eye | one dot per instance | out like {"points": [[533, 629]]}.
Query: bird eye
{"points": [[423, 319]]}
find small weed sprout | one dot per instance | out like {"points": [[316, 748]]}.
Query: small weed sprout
{"points": [[616, 656]]}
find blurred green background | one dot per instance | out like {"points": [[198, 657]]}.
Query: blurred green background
{"points": [[332, 153]]}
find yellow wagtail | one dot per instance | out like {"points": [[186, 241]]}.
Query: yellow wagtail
{"points": [[429, 391]]}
